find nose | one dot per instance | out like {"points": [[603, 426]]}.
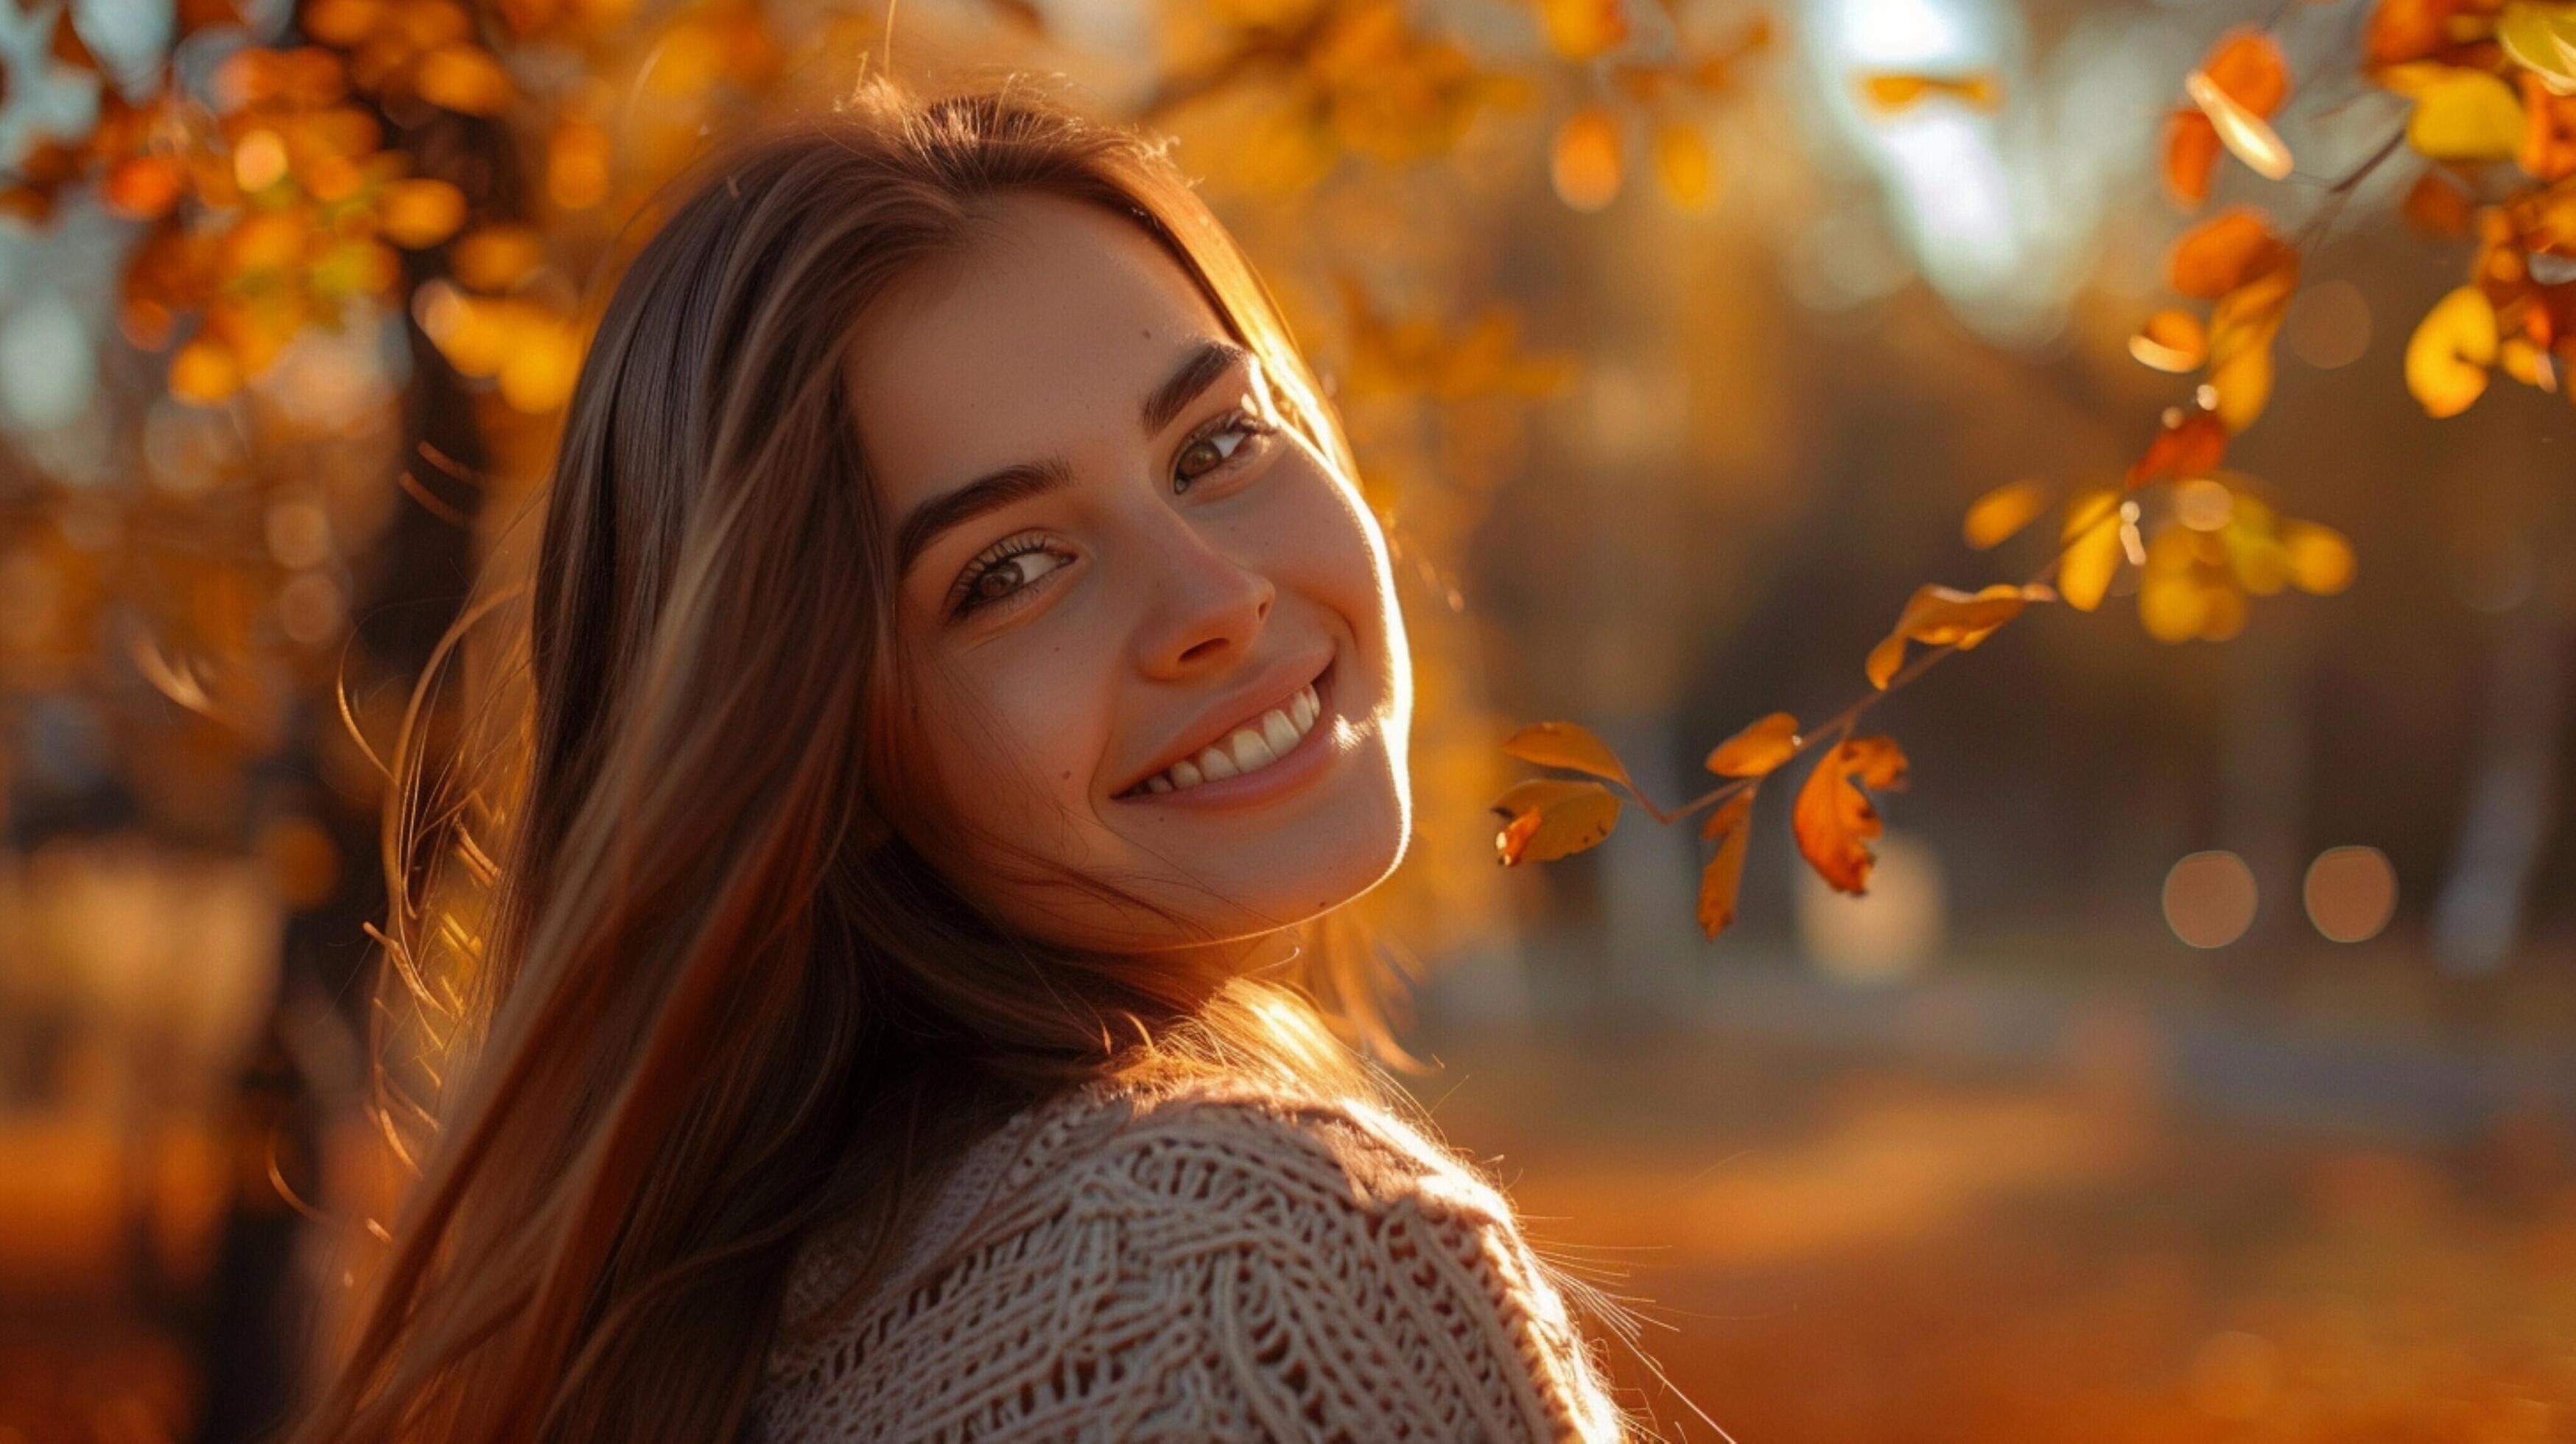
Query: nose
{"points": [[1207, 606]]}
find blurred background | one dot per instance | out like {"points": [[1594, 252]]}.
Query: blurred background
{"points": [[2199, 1063]]}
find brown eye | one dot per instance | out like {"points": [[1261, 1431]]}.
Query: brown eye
{"points": [[1241, 424]]}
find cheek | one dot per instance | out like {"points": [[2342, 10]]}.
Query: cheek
{"points": [[1020, 735]]}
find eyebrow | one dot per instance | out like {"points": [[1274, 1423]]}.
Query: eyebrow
{"points": [[1016, 483]]}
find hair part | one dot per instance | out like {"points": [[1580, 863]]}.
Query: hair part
{"points": [[712, 989]]}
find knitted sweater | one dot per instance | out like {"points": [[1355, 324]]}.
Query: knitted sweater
{"points": [[1208, 1261]]}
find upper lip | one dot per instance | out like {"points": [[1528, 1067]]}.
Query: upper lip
{"points": [[1242, 707]]}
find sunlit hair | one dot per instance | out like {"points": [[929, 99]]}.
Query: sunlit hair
{"points": [[671, 974]]}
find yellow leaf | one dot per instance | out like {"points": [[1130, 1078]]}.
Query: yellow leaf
{"points": [[2320, 558], [2246, 135], [2241, 329], [1584, 162], [2448, 357], [1757, 749], [2170, 341], [1892, 91], [1547, 818], [2466, 115], [2092, 540], [2001, 512], [2542, 40], [1563, 744], [1834, 821], [1731, 825]]}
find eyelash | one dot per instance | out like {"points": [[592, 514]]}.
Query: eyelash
{"points": [[968, 602]]}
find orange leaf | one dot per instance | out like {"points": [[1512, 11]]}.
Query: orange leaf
{"points": [[1939, 616], [1563, 744], [1892, 91], [1731, 825], [1757, 749], [1547, 818], [2224, 252], [1833, 819], [2001, 512], [2191, 154], [2401, 30], [2437, 207], [2171, 341], [2549, 131], [1581, 29], [2247, 64], [2192, 441], [419, 212]]}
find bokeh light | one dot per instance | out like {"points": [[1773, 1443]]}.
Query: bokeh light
{"points": [[1886, 935], [2350, 893], [2210, 899]]}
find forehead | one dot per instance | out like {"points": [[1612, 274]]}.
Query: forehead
{"points": [[1055, 321]]}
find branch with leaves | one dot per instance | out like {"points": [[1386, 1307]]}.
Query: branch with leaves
{"points": [[2492, 114]]}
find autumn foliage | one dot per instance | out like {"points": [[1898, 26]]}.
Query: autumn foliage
{"points": [[2491, 120]]}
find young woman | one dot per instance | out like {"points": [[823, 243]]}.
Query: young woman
{"points": [[964, 678]]}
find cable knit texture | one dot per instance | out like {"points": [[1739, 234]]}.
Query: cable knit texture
{"points": [[1208, 1261]]}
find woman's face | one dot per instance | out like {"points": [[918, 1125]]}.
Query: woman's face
{"points": [[1161, 640]]}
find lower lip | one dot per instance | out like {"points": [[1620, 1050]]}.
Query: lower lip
{"points": [[1312, 754]]}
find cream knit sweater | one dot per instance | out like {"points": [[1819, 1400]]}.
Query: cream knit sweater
{"points": [[1209, 1261]]}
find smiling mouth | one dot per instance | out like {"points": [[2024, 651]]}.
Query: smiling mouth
{"points": [[1255, 743]]}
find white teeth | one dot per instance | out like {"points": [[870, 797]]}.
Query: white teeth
{"points": [[1251, 753], [1246, 749]]}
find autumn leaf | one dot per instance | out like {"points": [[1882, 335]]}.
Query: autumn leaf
{"points": [[2437, 207], [1891, 91], [2466, 115], [2246, 135], [1563, 744], [2191, 441], [1731, 823], [2191, 153], [2244, 79], [2548, 150], [1833, 819], [2093, 549], [1546, 818], [1756, 750], [2448, 356], [2170, 341], [2241, 329], [2223, 253], [2001, 512], [2542, 40], [1939, 616]]}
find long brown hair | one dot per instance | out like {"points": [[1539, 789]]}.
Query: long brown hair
{"points": [[710, 989]]}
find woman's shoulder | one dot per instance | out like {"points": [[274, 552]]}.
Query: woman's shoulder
{"points": [[1131, 1233]]}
